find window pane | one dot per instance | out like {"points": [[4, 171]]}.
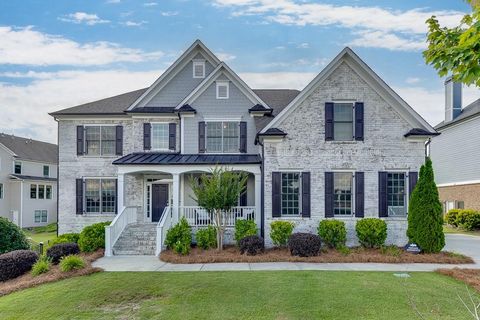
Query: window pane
{"points": [[48, 191], [37, 216], [108, 140], [92, 195], [290, 193], [41, 191], [342, 131], [159, 136], [1, 190], [343, 121], [231, 138], [396, 194], [108, 196], [343, 112], [44, 215], [342, 193], [33, 191], [18, 167], [46, 171], [214, 137], [92, 138]]}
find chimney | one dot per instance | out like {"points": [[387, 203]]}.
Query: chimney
{"points": [[453, 99]]}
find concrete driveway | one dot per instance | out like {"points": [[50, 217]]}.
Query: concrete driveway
{"points": [[464, 244]]}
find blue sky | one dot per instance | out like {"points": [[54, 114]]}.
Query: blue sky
{"points": [[56, 54]]}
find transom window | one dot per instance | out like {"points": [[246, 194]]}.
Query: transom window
{"points": [[100, 195], [396, 193], [41, 216], [342, 193], [17, 167], [290, 193], [343, 121], [199, 69], [100, 140], [222, 89], [160, 136], [46, 171], [222, 137]]}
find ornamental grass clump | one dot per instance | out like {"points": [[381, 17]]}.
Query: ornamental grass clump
{"points": [[70, 263]]}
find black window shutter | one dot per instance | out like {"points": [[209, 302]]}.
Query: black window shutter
{"points": [[328, 194], [80, 143], [201, 137], [243, 137], [147, 143], [79, 195], [328, 121], [119, 140], [276, 194], [172, 136], [359, 194], [306, 194], [359, 121], [412, 182], [382, 194], [116, 196]]}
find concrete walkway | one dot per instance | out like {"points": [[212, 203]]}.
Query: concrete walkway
{"points": [[468, 245]]}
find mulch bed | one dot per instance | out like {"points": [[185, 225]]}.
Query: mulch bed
{"points": [[469, 276], [389, 255], [54, 274]]}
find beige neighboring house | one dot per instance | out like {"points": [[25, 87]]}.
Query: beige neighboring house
{"points": [[28, 181]]}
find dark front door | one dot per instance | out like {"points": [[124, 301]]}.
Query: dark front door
{"points": [[159, 200]]}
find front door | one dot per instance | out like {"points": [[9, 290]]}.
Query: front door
{"points": [[159, 200]]}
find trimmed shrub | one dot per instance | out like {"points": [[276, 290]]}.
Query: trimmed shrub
{"points": [[58, 251], [280, 231], [251, 245], [11, 237], [425, 217], [72, 262], [333, 233], [371, 232], [468, 219], [244, 228], [41, 266], [451, 217], [206, 237], [304, 244], [92, 237], [66, 238], [15, 263], [179, 237]]}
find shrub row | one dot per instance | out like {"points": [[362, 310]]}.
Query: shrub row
{"points": [[15, 263], [58, 251], [464, 218]]}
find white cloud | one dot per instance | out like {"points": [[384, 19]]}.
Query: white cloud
{"points": [[113, 1], [304, 45], [390, 41], [83, 17], [150, 4], [401, 28], [134, 23], [412, 80], [225, 56], [277, 80], [169, 13], [26, 46]]}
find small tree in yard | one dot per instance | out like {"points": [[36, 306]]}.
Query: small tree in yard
{"points": [[218, 192], [425, 220]]}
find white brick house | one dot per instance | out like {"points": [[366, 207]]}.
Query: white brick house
{"points": [[129, 158]]}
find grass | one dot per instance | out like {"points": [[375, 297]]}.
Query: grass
{"points": [[450, 229], [42, 234], [240, 295]]}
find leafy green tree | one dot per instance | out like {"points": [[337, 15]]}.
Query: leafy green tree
{"points": [[218, 192], [456, 50], [425, 219]]}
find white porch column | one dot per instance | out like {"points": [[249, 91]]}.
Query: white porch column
{"points": [[258, 198], [120, 192], [176, 196]]}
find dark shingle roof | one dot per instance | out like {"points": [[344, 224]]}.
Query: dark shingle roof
{"points": [[273, 132], [471, 110], [24, 177], [153, 110], [29, 149], [187, 108], [420, 132], [277, 99], [155, 158]]}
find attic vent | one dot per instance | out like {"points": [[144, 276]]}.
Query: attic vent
{"points": [[199, 69], [222, 89]]}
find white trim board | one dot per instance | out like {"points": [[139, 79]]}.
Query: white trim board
{"points": [[367, 74], [460, 183]]}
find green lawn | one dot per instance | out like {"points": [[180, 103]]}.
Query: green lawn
{"points": [[42, 234], [449, 229], [239, 295]]}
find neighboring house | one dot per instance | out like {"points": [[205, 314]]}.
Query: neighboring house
{"points": [[455, 152], [28, 181], [346, 147]]}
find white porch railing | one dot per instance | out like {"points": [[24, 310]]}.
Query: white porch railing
{"points": [[162, 227], [115, 229], [199, 217]]}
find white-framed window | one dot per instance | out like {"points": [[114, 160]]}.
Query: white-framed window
{"points": [[100, 140], [291, 193], [40, 191], [223, 89], [100, 195], [343, 193], [17, 167], [33, 191], [46, 171], [1, 190], [48, 192], [222, 136], [41, 216], [199, 69], [343, 121], [397, 193], [159, 136]]}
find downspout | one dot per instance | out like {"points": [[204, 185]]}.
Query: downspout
{"points": [[58, 169], [262, 190]]}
